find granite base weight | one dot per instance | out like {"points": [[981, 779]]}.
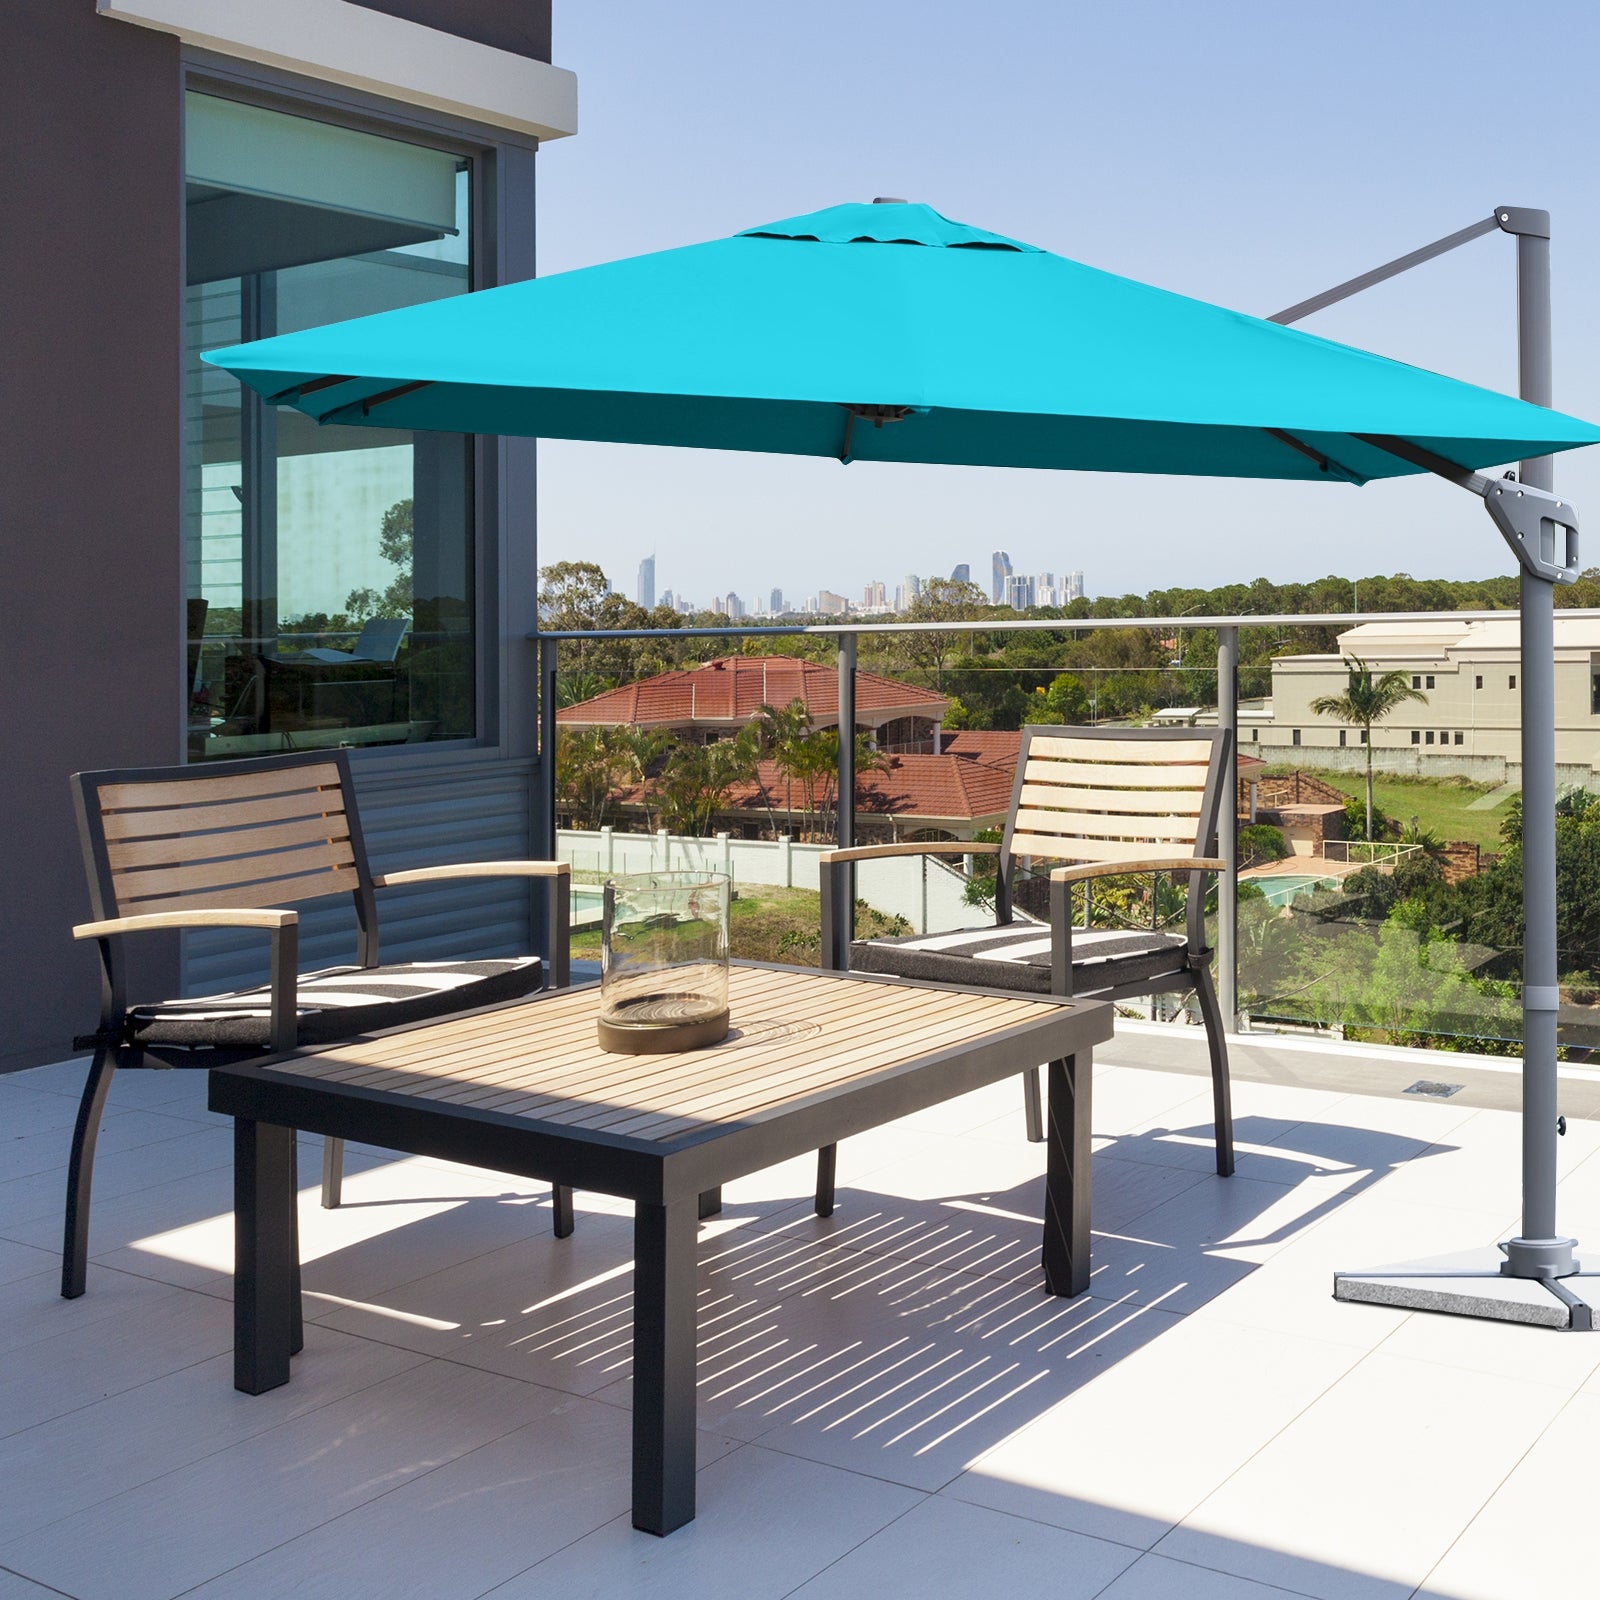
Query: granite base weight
{"points": [[1471, 1284]]}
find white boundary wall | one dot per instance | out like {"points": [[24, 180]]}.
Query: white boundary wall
{"points": [[925, 891]]}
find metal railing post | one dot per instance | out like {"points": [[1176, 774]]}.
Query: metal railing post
{"points": [[545, 842], [845, 832], [1228, 831]]}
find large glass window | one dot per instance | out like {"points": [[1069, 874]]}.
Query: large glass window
{"points": [[330, 569]]}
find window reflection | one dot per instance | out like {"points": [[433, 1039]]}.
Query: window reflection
{"points": [[329, 568]]}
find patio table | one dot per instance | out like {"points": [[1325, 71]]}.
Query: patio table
{"points": [[524, 1088]]}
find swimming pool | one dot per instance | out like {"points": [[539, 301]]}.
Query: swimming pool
{"points": [[1283, 888], [587, 905]]}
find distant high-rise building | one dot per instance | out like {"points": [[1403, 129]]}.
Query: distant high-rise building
{"points": [[1071, 586], [734, 606], [1019, 591], [719, 604], [647, 583], [831, 604], [1000, 570], [874, 597], [1044, 589], [810, 608], [775, 604], [685, 606], [961, 573], [669, 600], [911, 586]]}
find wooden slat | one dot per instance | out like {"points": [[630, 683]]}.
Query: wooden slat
{"points": [[187, 879], [1100, 825], [193, 848], [1083, 774], [1054, 849], [280, 892], [1166, 802], [864, 1029], [1106, 750], [218, 787], [226, 814]]}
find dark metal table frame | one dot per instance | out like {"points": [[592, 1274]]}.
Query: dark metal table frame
{"points": [[665, 1179]]}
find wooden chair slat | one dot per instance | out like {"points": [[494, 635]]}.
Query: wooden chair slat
{"points": [[280, 892], [211, 789], [1163, 802], [1088, 775], [1154, 752], [1099, 825], [1050, 847], [187, 878], [228, 814], [189, 849]]}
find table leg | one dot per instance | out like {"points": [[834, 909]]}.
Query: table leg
{"points": [[1067, 1174], [663, 1365], [264, 1274], [711, 1202]]}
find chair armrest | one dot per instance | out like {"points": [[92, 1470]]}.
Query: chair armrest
{"points": [[473, 869], [1114, 869], [916, 847], [282, 926], [143, 921], [558, 879]]}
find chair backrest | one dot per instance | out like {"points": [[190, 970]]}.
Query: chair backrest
{"points": [[268, 832], [379, 639], [1115, 794]]}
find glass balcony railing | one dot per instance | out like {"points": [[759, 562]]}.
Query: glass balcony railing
{"points": [[1405, 929]]}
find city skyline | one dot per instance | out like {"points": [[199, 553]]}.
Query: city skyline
{"points": [[876, 595]]}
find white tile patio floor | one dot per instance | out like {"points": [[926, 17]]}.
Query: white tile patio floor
{"points": [[889, 1403]]}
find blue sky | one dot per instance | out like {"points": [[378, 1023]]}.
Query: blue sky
{"points": [[1246, 153]]}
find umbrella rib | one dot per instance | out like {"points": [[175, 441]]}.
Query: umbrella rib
{"points": [[1324, 463], [298, 391], [372, 403]]}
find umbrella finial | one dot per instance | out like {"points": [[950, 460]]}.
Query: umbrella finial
{"points": [[889, 200]]}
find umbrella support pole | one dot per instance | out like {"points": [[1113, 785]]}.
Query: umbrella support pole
{"points": [[1536, 1277]]}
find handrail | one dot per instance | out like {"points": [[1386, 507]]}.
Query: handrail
{"points": [[1292, 619]]}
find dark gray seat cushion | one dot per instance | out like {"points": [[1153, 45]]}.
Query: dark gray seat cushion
{"points": [[339, 1002], [1017, 956]]}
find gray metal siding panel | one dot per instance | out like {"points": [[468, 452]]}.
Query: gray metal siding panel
{"points": [[457, 810]]}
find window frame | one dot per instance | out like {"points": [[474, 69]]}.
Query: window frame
{"points": [[205, 72]]}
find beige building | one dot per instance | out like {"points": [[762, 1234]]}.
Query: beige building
{"points": [[1471, 721]]}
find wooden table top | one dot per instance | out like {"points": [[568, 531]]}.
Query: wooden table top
{"points": [[796, 1034]]}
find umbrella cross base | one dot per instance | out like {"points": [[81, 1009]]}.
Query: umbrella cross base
{"points": [[1471, 1284]]}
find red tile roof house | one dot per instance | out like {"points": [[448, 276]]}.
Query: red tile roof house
{"points": [[954, 794], [719, 697]]}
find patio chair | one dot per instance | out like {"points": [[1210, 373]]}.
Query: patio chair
{"points": [[235, 847], [379, 641], [1106, 802]]}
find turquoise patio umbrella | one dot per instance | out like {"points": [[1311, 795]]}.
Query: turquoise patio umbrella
{"points": [[888, 332]]}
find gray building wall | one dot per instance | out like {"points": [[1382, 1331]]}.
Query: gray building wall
{"points": [[91, 579], [91, 573]]}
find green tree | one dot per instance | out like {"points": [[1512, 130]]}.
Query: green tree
{"points": [[1365, 701], [941, 600], [698, 778], [778, 733]]}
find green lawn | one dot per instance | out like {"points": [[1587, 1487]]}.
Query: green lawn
{"points": [[1438, 804], [766, 923]]}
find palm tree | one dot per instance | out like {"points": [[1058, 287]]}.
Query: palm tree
{"points": [[1366, 700], [778, 734]]}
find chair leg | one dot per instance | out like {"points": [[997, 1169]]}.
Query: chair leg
{"points": [[561, 1204], [80, 1173], [1031, 1110], [332, 1173], [1221, 1094], [827, 1167], [297, 1323]]}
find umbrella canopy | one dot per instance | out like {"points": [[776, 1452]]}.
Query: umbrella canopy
{"points": [[888, 332]]}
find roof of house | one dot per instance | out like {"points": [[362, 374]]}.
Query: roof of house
{"points": [[730, 690], [1001, 746], [924, 786]]}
